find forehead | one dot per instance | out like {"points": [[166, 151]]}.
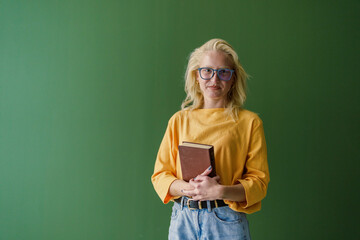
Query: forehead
{"points": [[215, 59]]}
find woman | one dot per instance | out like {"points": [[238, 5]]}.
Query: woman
{"points": [[212, 114]]}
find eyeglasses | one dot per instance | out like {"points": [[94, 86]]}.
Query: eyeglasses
{"points": [[224, 74]]}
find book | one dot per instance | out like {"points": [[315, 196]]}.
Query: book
{"points": [[195, 158]]}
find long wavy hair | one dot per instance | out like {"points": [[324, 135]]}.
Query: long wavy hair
{"points": [[237, 93]]}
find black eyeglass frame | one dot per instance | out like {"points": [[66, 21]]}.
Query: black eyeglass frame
{"points": [[217, 72]]}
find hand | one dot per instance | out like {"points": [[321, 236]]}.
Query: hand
{"points": [[177, 186], [205, 188]]}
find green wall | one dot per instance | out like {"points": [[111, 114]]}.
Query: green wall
{"points": [[87, 88]]}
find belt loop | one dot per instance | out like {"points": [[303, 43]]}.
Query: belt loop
{"points": [[182, 203], [208, 206]]}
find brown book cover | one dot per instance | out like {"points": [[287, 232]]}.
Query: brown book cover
{"points": [[195, 158]]}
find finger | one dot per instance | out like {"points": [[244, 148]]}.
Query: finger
{"points": [[195, 180], [207, 171], [217, 178], [200, 178], [189, 193], [197, 198], [192, 183]]}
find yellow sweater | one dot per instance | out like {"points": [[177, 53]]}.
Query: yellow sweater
{"points": [[239, 146]]}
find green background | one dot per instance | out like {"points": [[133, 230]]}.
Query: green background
{"points": [[87, 88]]}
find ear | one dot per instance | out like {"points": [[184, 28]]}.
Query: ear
{"points": [[197, 77]]}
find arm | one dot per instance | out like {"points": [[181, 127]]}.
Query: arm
{"points": [[165, 165], [177, 186], [234, 193], [255, 178]]}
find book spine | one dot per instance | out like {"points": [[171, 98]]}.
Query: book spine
{"points": [[212, 161]]}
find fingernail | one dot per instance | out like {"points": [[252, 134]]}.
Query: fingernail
{"points": [[194, 178], [209, 168]]}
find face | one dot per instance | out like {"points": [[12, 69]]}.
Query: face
{"points": [[215, 90]]}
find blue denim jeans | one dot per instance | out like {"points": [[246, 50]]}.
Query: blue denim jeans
{"points": [[207, 224]]}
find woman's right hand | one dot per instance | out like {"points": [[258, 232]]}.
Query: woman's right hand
{"points": [[177, 187]]}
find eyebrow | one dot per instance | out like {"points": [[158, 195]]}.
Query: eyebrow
{"points": [[219, 67]]}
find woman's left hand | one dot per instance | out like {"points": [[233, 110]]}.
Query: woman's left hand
{"points": [[205, 188]]}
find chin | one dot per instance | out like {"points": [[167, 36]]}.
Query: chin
{"points": [[215, 96]]}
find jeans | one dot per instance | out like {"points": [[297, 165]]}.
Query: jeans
{"points": [[207, 224]]}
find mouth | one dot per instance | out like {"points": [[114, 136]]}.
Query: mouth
{"points": [[213, 87]]}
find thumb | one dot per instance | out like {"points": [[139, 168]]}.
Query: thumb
{"points": [[207, 171]]}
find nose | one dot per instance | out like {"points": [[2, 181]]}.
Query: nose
{"points": [[215, 77]]}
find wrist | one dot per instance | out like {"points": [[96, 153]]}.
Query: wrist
{"points": [[221, 191], [234, 193]]}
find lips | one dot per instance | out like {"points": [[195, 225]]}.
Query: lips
{"points": [[213, 87]]}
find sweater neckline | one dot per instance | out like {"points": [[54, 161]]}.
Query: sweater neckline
{"points": [[211, 109]]}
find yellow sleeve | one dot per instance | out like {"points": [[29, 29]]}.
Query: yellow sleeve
{"points": [[256, 176], [165, 164]]}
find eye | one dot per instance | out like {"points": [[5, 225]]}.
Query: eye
{"points": [[222, 71]]}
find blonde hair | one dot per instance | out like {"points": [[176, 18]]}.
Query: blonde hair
{"points": [[236, 95]]}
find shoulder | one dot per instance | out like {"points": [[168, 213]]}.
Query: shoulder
{"points": [[246, 116], [178, 116]]}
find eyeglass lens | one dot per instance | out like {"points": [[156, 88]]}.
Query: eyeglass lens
{"points": [[208, 73]]}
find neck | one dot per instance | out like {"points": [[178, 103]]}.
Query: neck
{"points": [[214, 104]]}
